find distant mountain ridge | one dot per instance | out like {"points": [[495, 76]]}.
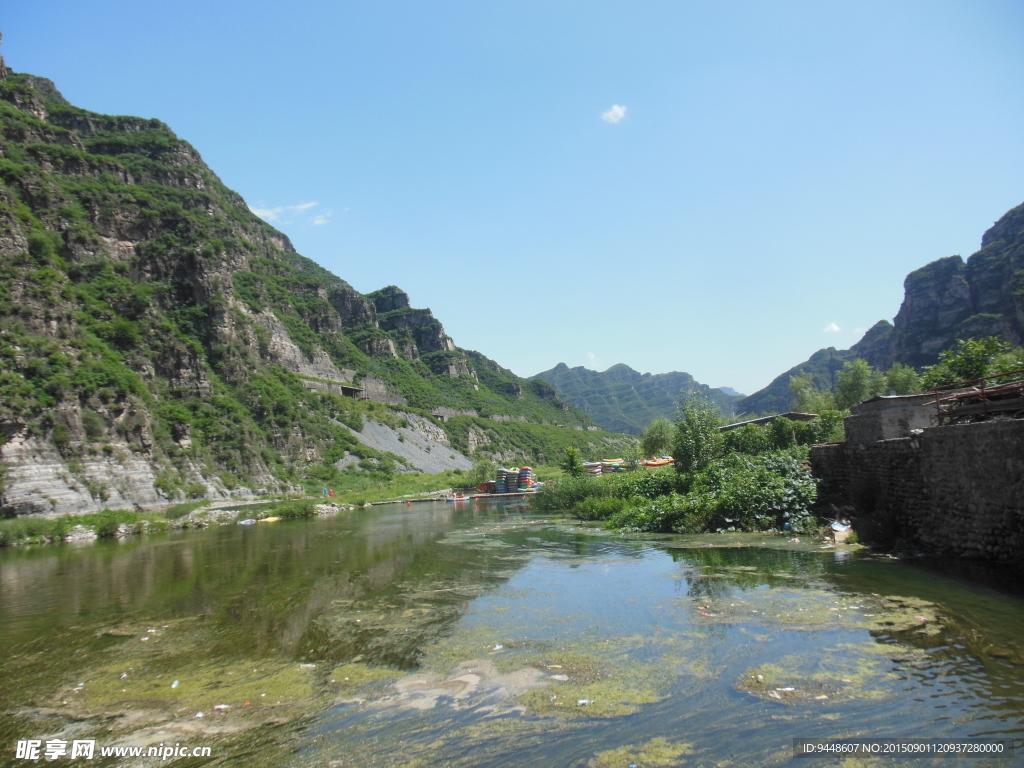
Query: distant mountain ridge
{"points": [[943, 301], [623, 400]]}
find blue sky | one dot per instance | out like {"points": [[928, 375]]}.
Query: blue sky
{"points": [[713, 187]]}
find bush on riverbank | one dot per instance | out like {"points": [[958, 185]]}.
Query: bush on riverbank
{"points": [[571, 492], [754, 478], [37, 530], [292, 509], [738, 492]]}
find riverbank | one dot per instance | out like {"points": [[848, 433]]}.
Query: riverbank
{"points": [[120, 523]]}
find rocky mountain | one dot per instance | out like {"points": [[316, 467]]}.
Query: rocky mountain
{"points": [[946, 300], [623, 400], [159, 341]]}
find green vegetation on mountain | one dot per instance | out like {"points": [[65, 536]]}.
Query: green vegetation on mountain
{"points": [[623, 400], [147, 314]]}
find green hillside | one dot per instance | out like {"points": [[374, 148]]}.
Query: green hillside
{"points": [[156, 332], [623, 400]]}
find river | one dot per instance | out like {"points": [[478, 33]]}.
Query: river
{"points": [[478, 635]]}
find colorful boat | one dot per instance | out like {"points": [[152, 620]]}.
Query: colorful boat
{"points": [[662, 462]]}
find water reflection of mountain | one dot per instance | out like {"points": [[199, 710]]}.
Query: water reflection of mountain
{"points": [[375, 583]]}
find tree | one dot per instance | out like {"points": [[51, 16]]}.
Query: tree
{"points": [[656, 439], [972, 359], [483, 470], [809, 399], [572, 463], [857, 382], [902, 380], [633, 455], [697, 439]]}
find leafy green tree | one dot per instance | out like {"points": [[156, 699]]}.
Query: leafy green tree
{"points": [[902, 380], [483, 470], [972, 359], [697, 440], [857, 382], [633, 455], [809, 399], [572, 462], [656, 439]]}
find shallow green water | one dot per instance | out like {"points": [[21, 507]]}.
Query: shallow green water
{"points": [[481, 636]]}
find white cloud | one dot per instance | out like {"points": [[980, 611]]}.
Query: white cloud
{"points": [[289, 214], [615, 114], [592, 358], [268, 214], [832, 328]]}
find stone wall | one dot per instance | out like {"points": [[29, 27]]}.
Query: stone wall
{"points": [[956, 489], [885, 418]]}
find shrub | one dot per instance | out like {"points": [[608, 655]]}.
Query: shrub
{"points": [[643, 483], [195, 490], [61, 436], [738, 492], [564, 495], [180, 510], [93, 424], [599, 508], [107, 523], [293, 509]]}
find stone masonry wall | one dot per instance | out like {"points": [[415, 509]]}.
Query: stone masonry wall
{"points": [[955, 489]]}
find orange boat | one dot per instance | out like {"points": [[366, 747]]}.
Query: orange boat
{"points": [[662, 462]]}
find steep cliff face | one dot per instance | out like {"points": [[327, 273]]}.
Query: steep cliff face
{"points": [[943, 301], [937, 300], [623, 400], [159, 341], [417, 330]]}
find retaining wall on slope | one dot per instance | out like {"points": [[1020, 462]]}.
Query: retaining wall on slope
{"points": [[955, 489]]}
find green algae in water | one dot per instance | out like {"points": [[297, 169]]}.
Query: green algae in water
{"points": [[416, 625], [656, 753]]}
